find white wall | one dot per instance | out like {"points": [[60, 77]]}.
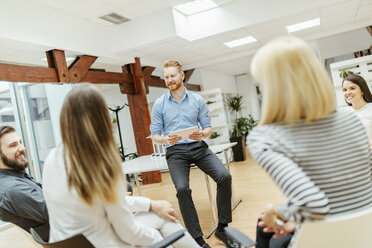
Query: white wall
{"points": [[55, 96], [247, 88], [114, 98], [344, 43], [155, 93], [211, 79]]}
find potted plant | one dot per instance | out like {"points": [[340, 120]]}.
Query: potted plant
{"points": [[235, 105], [244, 125]]}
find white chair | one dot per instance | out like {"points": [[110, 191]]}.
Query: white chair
{"points": [[159, 150], [346, 231]]}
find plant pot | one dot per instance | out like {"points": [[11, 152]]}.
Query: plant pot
{"points": [[239, 148]]}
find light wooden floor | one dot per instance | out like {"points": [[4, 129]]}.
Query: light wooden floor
{"points": [[249, 181]]}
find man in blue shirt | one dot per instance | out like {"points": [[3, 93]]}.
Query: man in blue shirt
{"points": [[180, 109]]}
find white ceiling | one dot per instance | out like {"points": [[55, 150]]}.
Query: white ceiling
{"points": [[31, 27]]}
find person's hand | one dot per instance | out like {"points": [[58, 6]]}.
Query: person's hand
{"points": [[196, 135], [289, 227], [173, 139], [269, 220], [164, 209]]}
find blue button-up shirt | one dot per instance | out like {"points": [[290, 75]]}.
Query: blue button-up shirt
{"points": [[168, 115]]}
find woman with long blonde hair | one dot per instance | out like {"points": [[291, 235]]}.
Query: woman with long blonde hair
{"points": [[318, 156], [84, 186]]}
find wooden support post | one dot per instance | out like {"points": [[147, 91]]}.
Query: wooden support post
{"points": [[141, 120], [56, 59]]}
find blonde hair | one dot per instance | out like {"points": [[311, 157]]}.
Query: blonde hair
{"points": [[92, 159], [296, 86], [173, 63]]}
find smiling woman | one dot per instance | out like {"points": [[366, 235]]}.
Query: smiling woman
{"points": [[358, 96]]}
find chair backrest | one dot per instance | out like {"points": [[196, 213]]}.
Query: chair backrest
{"points": [[344, 231], [159, 150], [170, 239], [75, 241]]}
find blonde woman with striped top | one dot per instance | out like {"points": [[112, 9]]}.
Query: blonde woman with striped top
{"points": [[318, 156]]}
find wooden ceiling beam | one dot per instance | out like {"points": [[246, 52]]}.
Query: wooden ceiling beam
{"points": [[154, 81], [193, 87], [80, 67], [188, 74], [32, 74], [147, 71], [79, 71]]}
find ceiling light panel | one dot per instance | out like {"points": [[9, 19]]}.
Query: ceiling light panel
{"points": [[303, 25], [195, 7], [240, 42]]}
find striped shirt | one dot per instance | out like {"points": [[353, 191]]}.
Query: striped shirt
{"points": [[323, 167]]}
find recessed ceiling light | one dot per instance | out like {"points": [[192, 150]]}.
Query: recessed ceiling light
{"points": [[114, 18], [240, 42], [196, 6], [303, 25], [67, 59]]}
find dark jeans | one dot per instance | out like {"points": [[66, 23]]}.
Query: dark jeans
{"points": [[266, 240], [179, 157]]}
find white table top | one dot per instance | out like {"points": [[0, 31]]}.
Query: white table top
{"points": [[153, 163], [222, 147]]}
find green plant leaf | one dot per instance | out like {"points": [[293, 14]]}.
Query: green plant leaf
{"points": [[244, 125], [214, 135], [344, 74]]}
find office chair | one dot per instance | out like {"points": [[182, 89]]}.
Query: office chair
{"points": [[75, 241], [238, 237], [82, 242], [170, 239], [343, 231]]}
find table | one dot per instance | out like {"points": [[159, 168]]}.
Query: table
{"points": [[153, 163]]}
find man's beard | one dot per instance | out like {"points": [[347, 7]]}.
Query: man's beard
{"points": [[177, 86], [12, 163]]}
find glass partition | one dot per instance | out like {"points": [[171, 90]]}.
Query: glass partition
{"points": [[38, 123], [6, 106]]}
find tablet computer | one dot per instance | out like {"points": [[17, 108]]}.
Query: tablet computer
{"points": [[185, 133]]}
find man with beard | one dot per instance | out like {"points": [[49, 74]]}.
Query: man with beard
{"points": [[21, 197], [179, 109]]}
